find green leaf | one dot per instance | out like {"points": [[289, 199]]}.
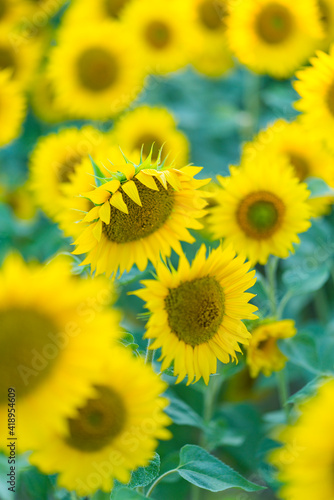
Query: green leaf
{"points": [[307, 280], [127, 494], [128, 340], [318, 187], [198, 467], [181, 413], [302, 351], [32, 484], [145, 475]]}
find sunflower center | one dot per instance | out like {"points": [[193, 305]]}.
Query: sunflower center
{"points": [[7, 59], [300, 165], [3, 8], [28, 350], [195, 310], [266, 345], [274, 23], [114, 7], [97, 69], [142, 221], [98, 422], [67, 168], [147, 140], [260, 214], [212, 14], [158, 34]]}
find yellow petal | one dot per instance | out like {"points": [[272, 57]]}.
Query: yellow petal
{"points": [[147, 180], [117, 201], [92, 215], [111, 186], [131, 190], [128, 170], [98, 196], [104, 212], [97, 231]]}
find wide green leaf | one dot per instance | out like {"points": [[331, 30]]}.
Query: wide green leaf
{"points": [[145, 475], [127, 494], [198, 467]]}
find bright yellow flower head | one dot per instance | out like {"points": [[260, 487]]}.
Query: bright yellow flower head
{"points": [[12, 12], [54, 330], [140, 213], [97, 11], [161, 33], [113, 432], [55, 160], [305, 462], [326, 8], [263, 354], [315, 85], [20, 60], [12, 109], [196, 312], [95, 70], [19, 199], [274, 37], [145, 126], [261, 209], [211, 54], [306, 155]]}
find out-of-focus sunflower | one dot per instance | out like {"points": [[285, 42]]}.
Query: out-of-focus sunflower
{"points": [[140, 213], [42, 97], [56, 158], [12, 108], [212, 55], [315, 85], [100, 10], [302, 151], [20, 61], [146, 126], [95, 70], [114, 432], [261, 209], [263, 353], [51, 343], [305, 462], [274, 37], [161, 35], [196, 312]]}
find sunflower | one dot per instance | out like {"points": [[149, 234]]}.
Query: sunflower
{"points": [[273, 36], [263, 354], [20, 61], [140, 213], [42, 98], [73, 205], [315, 85], [305, 462], [303, 152], [95, 70], [146, 127], [261, 209], [12, 108], [212, 55], [56, 158], [113, 432], [100, 10], [196, 312], [162, 35], [54, 330]]}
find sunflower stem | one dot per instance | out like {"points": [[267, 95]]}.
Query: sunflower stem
{"points": [[157, 481], [283, 391], [252, 105], [149, 356], [271, 270]]}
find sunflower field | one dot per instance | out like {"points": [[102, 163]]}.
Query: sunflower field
{"points": [[166, 249]]}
